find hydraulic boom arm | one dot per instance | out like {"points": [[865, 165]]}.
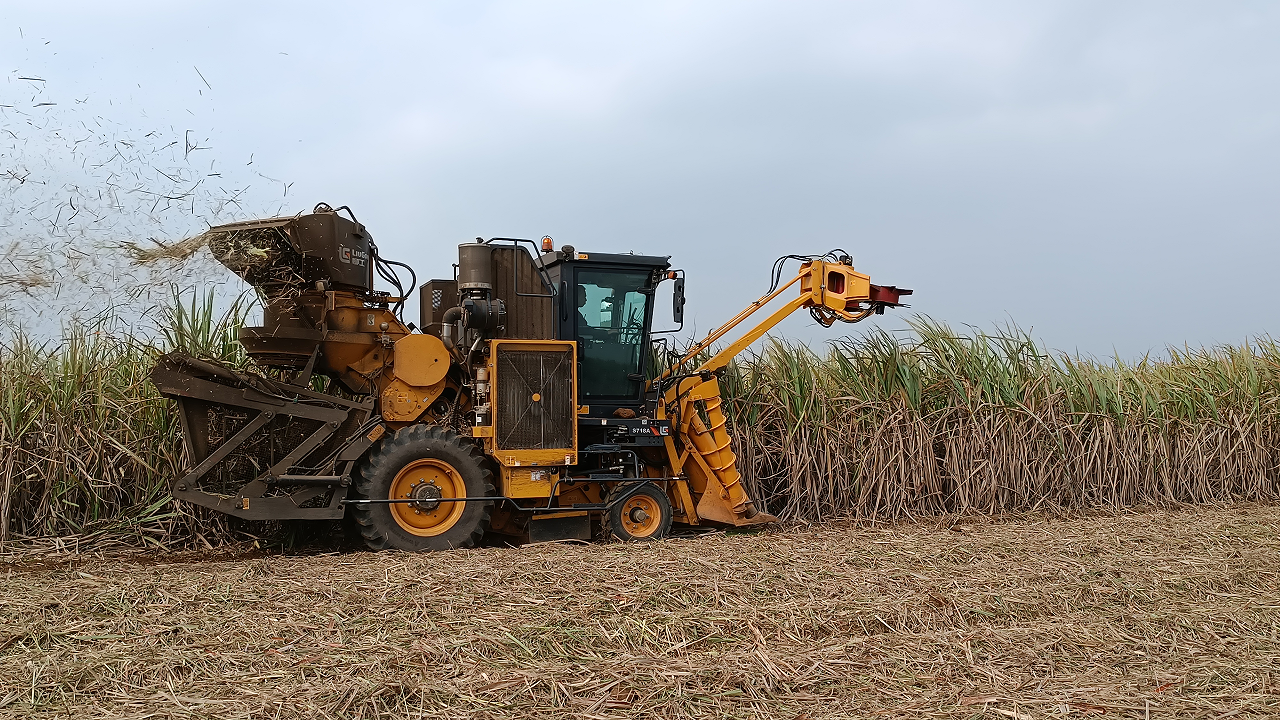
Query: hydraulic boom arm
{"points": [[832, 291]]}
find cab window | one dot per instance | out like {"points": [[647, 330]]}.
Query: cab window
{"points": [[610, 318]]}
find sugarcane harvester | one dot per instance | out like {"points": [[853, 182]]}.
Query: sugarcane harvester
{"points": [[527, 403]]}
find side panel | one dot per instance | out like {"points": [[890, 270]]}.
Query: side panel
{"points": [[560, 526], [334, 247], [436, 296], [527, 482], [515, 279]]}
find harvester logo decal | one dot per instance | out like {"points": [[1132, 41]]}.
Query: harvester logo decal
{"points": [[352, 257]]}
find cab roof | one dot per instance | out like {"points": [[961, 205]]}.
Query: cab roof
{"points": [[648, 261]]}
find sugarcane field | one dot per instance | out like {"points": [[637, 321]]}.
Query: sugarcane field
{"points": [[687, 360]]}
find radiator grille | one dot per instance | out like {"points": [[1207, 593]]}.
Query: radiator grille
{"points": [[523, 423]]}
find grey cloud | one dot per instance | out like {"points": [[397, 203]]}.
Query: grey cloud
{"points": [[1101, 172]]}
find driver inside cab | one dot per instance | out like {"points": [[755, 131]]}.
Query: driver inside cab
{"points": [[583, 325]]}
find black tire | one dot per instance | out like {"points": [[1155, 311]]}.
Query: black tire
{"points": [[628, 527], [411, 446]]}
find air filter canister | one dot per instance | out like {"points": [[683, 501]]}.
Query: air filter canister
{"points": [[475, 267]]}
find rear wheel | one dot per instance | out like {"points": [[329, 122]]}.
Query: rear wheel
{"points": [[645, 515], [424, 465]]}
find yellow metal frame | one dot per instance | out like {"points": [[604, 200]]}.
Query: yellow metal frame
{"points": [[814, 279], [530, 458], [833, 291]]}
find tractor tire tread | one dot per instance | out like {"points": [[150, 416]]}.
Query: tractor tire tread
{"points": [[376, 463]]}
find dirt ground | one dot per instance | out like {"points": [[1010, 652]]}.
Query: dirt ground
{"points": [[1147, 614]]}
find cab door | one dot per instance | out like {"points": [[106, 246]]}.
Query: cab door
{"points": [[608, 313]]}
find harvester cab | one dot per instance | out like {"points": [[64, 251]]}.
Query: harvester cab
{"points": [[606, 307], [528, 404]]}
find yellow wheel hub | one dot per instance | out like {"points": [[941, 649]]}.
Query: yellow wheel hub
{"points": [[425, 482], [641, 516]]}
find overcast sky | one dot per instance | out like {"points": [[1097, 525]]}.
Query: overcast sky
{"points": [[1102, 173]]}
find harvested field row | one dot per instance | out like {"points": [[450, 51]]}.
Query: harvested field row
{"points": [[1153, 614]]}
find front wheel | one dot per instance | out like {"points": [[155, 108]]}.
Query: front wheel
{"points": [[645, 515], [426, 466]]}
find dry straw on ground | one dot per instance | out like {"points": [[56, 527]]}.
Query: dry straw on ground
{"points": [[1160, 614]]}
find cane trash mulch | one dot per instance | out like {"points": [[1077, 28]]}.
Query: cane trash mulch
{"points": [[1161, 613]]}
